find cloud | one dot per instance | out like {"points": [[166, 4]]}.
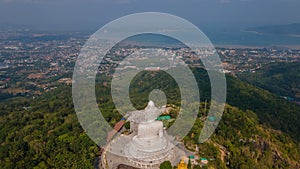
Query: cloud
{"points": [[41, 1], [225, 1], [124, 1], [231, 1], [7, 1], [22, 1]]}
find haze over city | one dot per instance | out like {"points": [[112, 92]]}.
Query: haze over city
{"points": [[92, 14]]}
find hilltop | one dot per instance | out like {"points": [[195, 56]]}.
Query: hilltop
{"points": [[45, 132]]}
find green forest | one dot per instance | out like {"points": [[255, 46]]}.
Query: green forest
{"points": [[258, 128], [283, 79]]}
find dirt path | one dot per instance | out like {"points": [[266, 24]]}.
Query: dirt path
{"points": [[222, 150]]}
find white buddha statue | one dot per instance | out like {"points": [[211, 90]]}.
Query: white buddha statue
{"points": [[150, 133]]}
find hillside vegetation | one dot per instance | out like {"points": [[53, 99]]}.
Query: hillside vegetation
{"points": [[282, 79], [258, 129]]}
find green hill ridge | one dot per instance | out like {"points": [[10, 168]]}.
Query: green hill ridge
{"points": [[258, 129]]}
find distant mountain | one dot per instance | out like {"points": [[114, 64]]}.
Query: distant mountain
{"points": [[289, 29]]}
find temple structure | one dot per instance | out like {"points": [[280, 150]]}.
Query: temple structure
{"points": [[182, 165], [147, 145]]}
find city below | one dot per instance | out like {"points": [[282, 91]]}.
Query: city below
{"points": [[33, 63]]}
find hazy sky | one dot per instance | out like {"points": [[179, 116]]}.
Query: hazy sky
{"points": [[92, 14]]}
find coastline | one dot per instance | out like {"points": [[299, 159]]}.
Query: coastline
{"points": [[237, 46]]}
